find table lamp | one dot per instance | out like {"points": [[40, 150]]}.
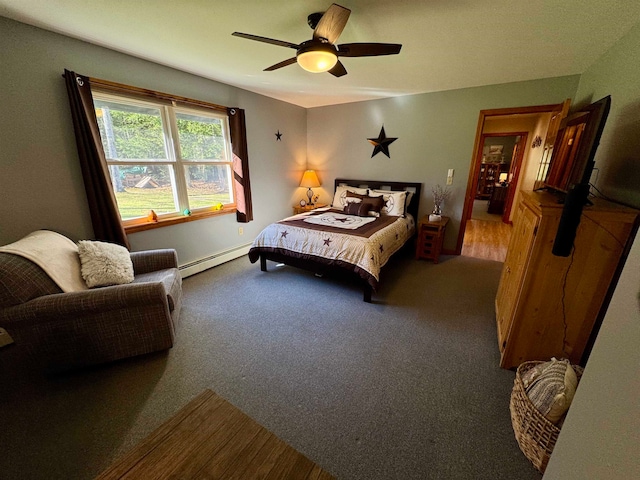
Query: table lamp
{"points": [[310, 180]]}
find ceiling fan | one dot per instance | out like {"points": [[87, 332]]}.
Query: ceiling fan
{"points": [[320, 54]]}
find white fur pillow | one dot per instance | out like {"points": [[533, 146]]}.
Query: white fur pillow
{"points": [[104, 264]]}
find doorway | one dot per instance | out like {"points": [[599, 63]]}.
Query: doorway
{"points": [[488, 237], [488, 229], [498, 174]]}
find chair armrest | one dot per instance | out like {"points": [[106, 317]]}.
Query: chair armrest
{"points": [[62, 306], [153, 260]]}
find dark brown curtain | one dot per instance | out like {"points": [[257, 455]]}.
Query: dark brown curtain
{"points": [[238, 131], [103, 208]]}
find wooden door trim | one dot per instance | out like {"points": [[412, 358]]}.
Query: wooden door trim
{"points": [[513, 181], [476, 158]]}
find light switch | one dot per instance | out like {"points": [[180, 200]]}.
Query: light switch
{"points": [[450, 177]]}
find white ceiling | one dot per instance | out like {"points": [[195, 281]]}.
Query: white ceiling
{"points": [[447, 44]]}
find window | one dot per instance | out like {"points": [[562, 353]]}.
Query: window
{"points": [[163, 157]]}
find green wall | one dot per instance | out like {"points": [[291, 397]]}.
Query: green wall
{"points": [[600, 438], [617, 73], [435, 132], [40, 181], [41, 185]]}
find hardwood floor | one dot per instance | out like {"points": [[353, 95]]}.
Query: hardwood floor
{"points": [[210, 438], [486, 239]]}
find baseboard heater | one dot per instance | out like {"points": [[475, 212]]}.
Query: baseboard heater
{"points": [[214, 260]]}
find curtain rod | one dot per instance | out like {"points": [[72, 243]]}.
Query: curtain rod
{"points": [[121, 87]]}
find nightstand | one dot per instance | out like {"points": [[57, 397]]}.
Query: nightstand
{"points": [[430, 238], [307, 208]]}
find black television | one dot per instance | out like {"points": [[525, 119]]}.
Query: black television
{"points": [[571, 166]]}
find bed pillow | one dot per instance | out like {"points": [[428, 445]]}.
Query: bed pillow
{"points": [[104, 264], [353, 197], [357, 208], [407, 202], [339, 198], [375, 203], [551, 386], [394, 202]]}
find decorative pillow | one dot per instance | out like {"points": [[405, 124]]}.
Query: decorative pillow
{"points": [[339, 198], [375, 203], [551, 386], [104, 264], [394, 202], [357, 208]]}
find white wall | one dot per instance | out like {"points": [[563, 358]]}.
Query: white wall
{"points": [[40, 181], [600, 439]]}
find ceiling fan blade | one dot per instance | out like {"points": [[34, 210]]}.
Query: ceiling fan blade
{"points": [[281, 64], [338, 70], [332, 23], [368, 49], [272, 41]]}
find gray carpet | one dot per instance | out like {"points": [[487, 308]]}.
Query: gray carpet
{"points": [[405, 388]]}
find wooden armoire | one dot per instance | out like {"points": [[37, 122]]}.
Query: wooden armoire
{"points": [[546, 305]]}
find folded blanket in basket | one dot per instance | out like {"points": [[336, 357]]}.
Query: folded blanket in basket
{"points": [[551, 386]]}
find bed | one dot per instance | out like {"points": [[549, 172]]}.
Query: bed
{"points": [[330, 241]]}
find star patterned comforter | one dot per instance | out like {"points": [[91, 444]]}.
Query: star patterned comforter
{"points": [[365, 249]]}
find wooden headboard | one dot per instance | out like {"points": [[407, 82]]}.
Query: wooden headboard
{"points": [[416, 188]]}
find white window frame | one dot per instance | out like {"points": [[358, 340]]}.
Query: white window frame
{"points": [[174, 160]]}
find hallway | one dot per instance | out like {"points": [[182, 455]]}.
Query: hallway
{"points": [[486, 236]]}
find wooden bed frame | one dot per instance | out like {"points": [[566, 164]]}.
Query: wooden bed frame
{"points": [[346, 270]]}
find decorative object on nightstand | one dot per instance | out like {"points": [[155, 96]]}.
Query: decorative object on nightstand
{"points": [[306, 207], [430, 238], [439, 196], [310, 180]]}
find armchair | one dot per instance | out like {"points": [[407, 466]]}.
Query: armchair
{"points": [[59, 331]]}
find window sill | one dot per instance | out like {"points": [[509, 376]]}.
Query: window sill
{"points": [[176, 220]]}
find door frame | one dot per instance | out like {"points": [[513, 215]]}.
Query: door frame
{"points": [[476, 158], [514, 175]]}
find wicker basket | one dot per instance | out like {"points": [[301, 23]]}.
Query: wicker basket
{"points": [[535, 435]]}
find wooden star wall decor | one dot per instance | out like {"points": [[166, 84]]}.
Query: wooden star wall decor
{"points": [[381, 144]]}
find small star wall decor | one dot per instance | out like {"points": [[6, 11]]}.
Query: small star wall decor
{"points": [[381, 144], [278, 136]]}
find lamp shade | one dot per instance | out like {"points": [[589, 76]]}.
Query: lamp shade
{"points": [[310, 179], [503, 177]]}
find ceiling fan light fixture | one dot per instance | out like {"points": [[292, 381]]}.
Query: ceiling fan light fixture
{"points": [[317, 61], [318, 58]]}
